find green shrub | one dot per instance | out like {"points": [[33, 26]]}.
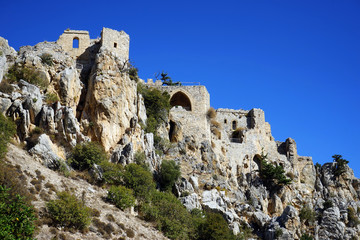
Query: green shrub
{"points": [[133, 73], [6, 87], [112, 172], [306, 236], [140, 158], [170, 216], [7, 130], [278, 233], [51, 98], [352, 218], [63, 168], [307, 215], [273, 176], [139, 179], [328, 204], [85, 155], [46, 58], [215, 228], [166, 79], [121, 197], [157, 106], [245, 231], [16, 217], [169, 173], [68, 211], [29, 74], [340, 165]]}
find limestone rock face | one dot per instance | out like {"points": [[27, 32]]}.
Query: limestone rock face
{"points": [[110, 102], [331, 228], [62, 74], [7, 55]]}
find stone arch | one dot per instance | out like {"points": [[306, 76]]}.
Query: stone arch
{"points": [[257, 159], [181, 99], [76, 42]]}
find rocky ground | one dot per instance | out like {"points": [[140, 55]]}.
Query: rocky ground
{"points": [[120, 223]]}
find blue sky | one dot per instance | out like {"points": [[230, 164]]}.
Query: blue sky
{"points": [[299, 61]]}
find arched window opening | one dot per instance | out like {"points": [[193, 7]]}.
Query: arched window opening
{"points": [[257, 160], [237, 136], [76, 42], [180, 99], [115, 45], [225, 121], [234, 125]]}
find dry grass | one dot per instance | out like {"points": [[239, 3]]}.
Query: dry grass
{"points": [[215, 124], [211, 113], [216, 132]]}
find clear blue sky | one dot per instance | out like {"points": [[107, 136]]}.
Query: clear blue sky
{"points": [[297, 60]]}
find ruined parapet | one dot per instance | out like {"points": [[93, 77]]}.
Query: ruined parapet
{"points": [[74, 42], [117, 41]]}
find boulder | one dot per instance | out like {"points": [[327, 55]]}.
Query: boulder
{"points": [[43, 150], [5, 103], [191, 201]]}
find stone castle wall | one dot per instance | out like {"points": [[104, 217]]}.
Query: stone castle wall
{"points": [[190, 105], [117, 41], [68, 39]]}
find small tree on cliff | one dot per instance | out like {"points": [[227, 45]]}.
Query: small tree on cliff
{"points": [[166, 79], [272, 176], [340, 165]]}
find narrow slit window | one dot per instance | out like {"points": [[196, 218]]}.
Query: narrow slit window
{"points": [[234, 125], [115, 45]]}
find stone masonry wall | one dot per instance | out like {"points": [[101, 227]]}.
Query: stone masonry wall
{"points": [[66, 41], [194, 122], [116, 41]]}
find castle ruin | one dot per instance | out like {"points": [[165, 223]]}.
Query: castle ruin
{"points": [[190, 104], [77, 42]]}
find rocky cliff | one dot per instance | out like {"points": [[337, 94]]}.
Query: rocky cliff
{"points": [[223, 170]]}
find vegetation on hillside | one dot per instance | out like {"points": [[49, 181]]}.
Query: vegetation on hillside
{"points": [[7, 131], [340, 165], [273, 176], [47, 58], [169, 173], [68, 211], [16, 216], [86, 154], [157, 106], [29, 74]]}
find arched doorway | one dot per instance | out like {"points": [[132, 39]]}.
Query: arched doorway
{"points": [[180, 99]]}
